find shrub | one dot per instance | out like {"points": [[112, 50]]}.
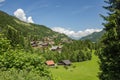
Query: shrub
{"points": [[14, 74]]}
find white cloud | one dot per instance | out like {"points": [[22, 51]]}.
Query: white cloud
{"points": [[19, 13], [30, 20], [2, 1], [74, 34]]}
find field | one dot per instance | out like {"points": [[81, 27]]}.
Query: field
{"points": [[87, 70]]}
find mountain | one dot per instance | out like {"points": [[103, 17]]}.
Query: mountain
{"points": [[16, 30], [94, 37]]}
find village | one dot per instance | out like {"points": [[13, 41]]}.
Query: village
{"points": [[48, 43]]}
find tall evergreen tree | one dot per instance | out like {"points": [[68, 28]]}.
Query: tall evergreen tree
{"points": [[110, 55]]}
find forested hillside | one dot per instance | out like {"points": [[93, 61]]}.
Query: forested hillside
{"points": [[17, 57], [94, 37], [17, 31], [25, 47], [31, 37]]}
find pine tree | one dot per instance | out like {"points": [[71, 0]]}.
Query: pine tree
{"points": [[110, 55]]}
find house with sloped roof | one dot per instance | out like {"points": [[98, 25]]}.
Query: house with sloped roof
{"points": [[50, 63], [33, 43], [66, 62], [54, 48]]}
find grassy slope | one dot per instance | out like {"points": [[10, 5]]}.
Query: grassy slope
{"points": [[26, 29], [83, 71]]}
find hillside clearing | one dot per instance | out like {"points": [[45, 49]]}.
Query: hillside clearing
{"points": [[87, 70]]}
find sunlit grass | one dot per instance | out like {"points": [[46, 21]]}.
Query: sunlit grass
{"points": [[87, 70]]}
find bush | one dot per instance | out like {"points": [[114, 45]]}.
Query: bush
{"points": [[14, 74], [22, 60], [66, 67], [74, 66], [56, 67]]}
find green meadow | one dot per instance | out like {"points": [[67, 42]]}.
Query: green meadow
{"points": [[87, 70]]}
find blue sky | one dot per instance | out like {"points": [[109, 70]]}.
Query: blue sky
{"points": [[72, 17]]}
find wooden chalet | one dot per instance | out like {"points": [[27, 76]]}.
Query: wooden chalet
{"points": [[55, 48], [33, 44], [45, 44], [66, 62], [50, 63]]}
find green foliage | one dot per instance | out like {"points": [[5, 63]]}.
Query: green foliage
{"points": [[66, 67], [14, 74], [110, 55], [78, 51], [75, 51], [13, 35], [4, 44], [20, 60]]}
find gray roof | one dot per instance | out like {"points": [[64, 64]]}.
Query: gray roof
{"points": [[66, 62]]}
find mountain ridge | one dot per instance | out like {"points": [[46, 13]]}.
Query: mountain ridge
{"points": [[94, 37], [10, 26]]}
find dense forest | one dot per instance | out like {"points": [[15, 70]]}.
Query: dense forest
{"points": [[75, 51]]}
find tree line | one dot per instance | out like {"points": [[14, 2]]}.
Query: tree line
{"points": [[76, 51]]}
